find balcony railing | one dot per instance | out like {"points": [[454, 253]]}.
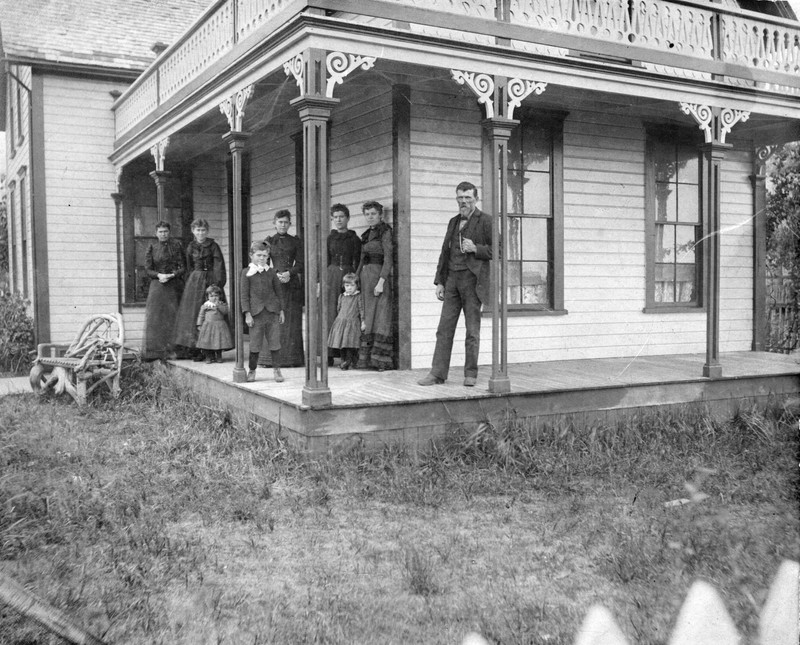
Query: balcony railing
{"points": [[743, 41]]}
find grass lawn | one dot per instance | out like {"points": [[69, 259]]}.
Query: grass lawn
{"points": [[157, 519]]}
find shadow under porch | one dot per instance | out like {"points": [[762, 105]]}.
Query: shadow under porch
{"points": [[375, 409]]}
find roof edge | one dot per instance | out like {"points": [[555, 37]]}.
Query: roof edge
{"points": [[101, 72]]}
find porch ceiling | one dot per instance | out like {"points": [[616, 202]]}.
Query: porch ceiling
{"points": [[572, 81]]}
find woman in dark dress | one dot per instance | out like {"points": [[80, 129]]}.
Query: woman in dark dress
{"points": [[375, 269], [165, 266], [286, 254], [344, 254], [204, 266]]}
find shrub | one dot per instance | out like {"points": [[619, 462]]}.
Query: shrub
{"points": [[16, 334]]}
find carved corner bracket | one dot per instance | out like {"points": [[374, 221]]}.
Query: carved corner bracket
{"points": [[340, 65], [482, 86], [159, 152], [762, 156], [233, 107], [518, 89], [295, 67], [715, 122]]}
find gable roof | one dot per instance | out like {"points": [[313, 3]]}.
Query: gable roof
{"points": [[114, 34]]}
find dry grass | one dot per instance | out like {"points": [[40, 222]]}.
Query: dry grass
{"points": [[155, 519]]}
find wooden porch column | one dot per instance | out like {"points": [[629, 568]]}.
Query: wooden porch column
{"points": [[236, 141], [499, 130], [315, 111], [759, 180], [119, 200], [233, 108], [716, 123], [713, 154]]}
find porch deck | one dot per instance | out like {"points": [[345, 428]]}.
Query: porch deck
{"points": [[377, 408]]}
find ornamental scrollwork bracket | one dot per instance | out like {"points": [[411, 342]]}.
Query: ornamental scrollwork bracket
{"points": [[233, 107], [482, 86], [159, 152], [340, 65], [715, 122], [296, 67], [762, 156], [518, 89]]}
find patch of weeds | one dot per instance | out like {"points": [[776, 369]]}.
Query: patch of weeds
{"points": [[419, 572]]}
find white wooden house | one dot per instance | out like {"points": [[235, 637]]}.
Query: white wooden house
{"points": [[620, 144]]}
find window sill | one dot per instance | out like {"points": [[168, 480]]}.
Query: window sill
{"points": [[134, 305], [514, 313], [674, 309]]}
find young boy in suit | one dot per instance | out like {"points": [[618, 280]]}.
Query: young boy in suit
{"points": [[262, 305]]}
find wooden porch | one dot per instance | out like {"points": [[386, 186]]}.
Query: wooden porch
{"points": [[378, 408]]}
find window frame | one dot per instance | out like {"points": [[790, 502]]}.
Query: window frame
{"points": [[554, 122], [685, 137], [12, 233]]}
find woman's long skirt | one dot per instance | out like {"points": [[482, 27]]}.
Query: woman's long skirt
{"points": [[291, 353], [159, 318], [377, 341], [194, 295]]}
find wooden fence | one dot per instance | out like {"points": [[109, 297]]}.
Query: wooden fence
{"points": [[783, 321], [703, 619]]}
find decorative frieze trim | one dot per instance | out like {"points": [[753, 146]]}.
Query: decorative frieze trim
{"points": [[715, 122], [340, 65], [296, 68], [518, 89], [233, 107], [481, 84], [159, 152]]}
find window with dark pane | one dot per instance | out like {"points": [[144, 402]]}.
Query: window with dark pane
{"points": [[530, 215], [677, 221]]}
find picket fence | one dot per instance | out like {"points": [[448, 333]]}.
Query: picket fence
{"points": [[703, 619], [783, 319]]}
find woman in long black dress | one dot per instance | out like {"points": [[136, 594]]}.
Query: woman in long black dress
{"points": [[286, 254], [375, 270], [344, 254], [165, 266], [205, 266]]}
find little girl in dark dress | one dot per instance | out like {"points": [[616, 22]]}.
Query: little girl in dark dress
{"points": [[345, 333], [214, 335]]}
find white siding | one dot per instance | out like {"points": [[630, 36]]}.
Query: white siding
{"points": [[81, 229], [210, 202], [604, 237]]}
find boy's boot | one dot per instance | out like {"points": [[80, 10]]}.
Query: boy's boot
{"points": [[252, 364], [275, 364]]}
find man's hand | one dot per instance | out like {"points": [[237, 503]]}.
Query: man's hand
{"points": [[468, 246], [440, 291]]}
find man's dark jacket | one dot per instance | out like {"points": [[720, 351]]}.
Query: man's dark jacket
{"points": [[479, 230]]}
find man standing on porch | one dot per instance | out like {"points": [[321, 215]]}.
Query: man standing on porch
{"points": [[462, 282]]}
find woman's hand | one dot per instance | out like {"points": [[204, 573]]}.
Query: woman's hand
{"points": [[363, 326], [284, 277], [281, 316], [165, 277], [378, 288], [248, 318]]}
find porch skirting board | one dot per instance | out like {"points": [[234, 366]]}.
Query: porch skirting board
{"points": [[417, 417]]}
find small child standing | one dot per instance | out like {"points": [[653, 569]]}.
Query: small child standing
{"points": [[262, 304], [214, 335], [345, 333]]}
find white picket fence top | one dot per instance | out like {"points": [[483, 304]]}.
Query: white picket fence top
{"points": [[703, 618]]}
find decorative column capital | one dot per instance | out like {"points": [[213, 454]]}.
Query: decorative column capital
{"points": [[518, 89], [482, 85], [499, 127], [762, 156], [159, 152], [715, 122], [160, 176], [314, 108], [340, 65], [233, 107]]}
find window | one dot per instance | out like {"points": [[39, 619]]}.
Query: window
{"points": [[535, 214], [140, 216], [12, 224], [23, 227], [674, 224]]}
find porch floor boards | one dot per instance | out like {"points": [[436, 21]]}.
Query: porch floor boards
{"points": [[370, 388]]}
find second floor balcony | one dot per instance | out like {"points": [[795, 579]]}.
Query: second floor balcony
{"points": [[703, 41]]}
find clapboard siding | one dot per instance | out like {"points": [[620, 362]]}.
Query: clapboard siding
{"points": [[81, 226], [272, 179], [604, 237], [210, 202]]}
